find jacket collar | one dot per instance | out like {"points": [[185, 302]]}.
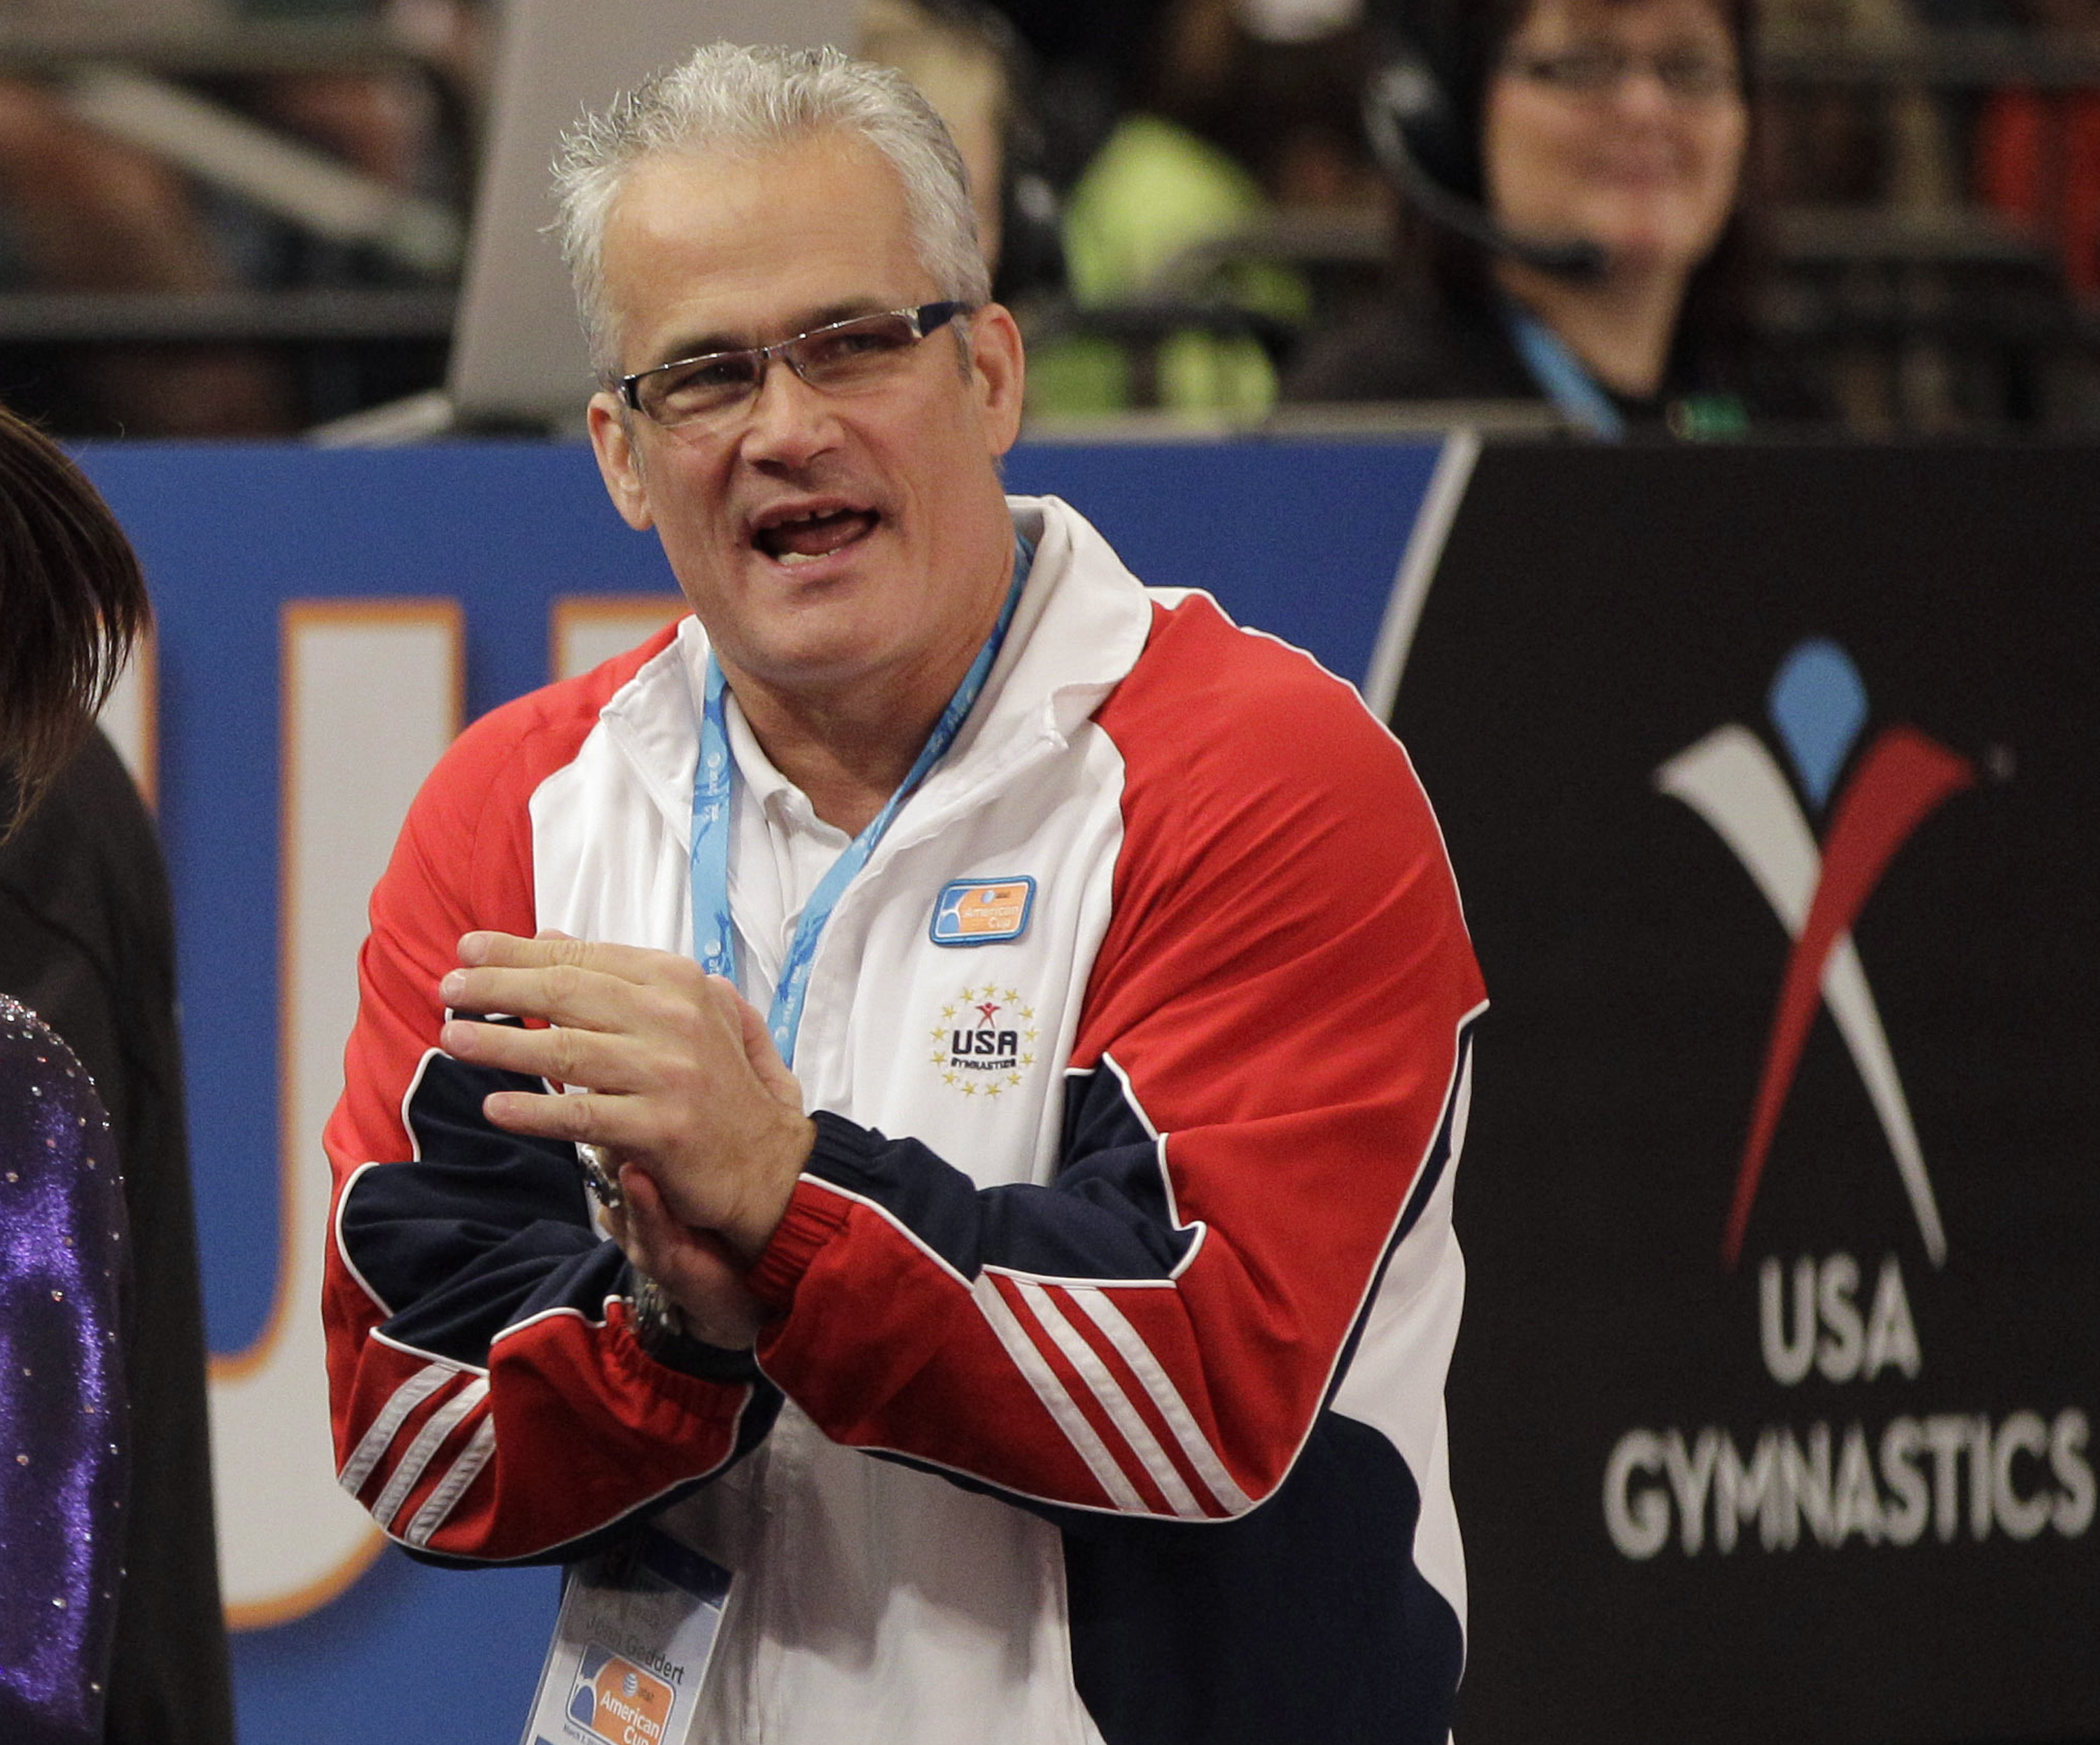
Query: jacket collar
{"points": [[1081, 622]]}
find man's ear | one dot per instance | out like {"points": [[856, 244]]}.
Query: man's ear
{"points": [[618, 463], [999, 371]]}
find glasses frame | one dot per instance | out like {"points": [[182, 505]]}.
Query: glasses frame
{"points": [[1548, 71], [922, 320]]}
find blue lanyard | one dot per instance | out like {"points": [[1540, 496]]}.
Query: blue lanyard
{"points": [[1560, 373], [714, 935]]}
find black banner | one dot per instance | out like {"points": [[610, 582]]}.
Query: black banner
{"points": [[1770, 779]]}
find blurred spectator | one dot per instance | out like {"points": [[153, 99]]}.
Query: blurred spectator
{"points": [[1838, 144], [1275, 83], [82, 210], [1154, 194], [958, 68], [85, 212], [1247, 109], [1594, 231], [981, 79], [1090, 57]]}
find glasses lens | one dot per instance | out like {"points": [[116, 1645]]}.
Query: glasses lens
{"points": [[1593, 66], [1591, 69], [679, 392], [1691, 72], [851, 352]]}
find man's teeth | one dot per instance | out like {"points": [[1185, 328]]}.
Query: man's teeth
{"points": [[803, 538]]}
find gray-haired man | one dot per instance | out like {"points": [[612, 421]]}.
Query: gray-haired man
{"points": [[1056, 1353]]}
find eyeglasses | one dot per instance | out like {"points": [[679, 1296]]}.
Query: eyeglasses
{"points": [[1599, 69], [845, 357]]}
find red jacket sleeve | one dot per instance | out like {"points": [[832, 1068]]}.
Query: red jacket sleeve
{"points": [[489, 1399], [1267, 1083]]}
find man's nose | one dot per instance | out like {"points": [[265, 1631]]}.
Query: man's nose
{"points": [[786, 419]]}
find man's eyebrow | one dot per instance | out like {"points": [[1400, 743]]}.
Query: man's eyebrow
{"points": [[707, 344], [844, 311]]}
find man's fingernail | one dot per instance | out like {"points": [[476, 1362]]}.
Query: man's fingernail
{"points": [[452, 986]]}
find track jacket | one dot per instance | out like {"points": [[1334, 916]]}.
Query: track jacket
{"points": [[1104, 1397]]}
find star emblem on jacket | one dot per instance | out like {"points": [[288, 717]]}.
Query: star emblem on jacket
{"points": [[984, 1043]]}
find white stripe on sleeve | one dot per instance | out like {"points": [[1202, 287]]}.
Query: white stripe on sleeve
{"points": [[1040, 1376], [410, 1394], [464, 1470], [1114, 1401], [424, 1448], [1165, 1396]]}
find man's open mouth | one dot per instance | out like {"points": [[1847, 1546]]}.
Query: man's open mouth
{"points": [[801, 539]]}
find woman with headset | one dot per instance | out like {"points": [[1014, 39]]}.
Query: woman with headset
{"points": [[1577, 226]]}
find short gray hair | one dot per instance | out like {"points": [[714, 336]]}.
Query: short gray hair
{"points": [[747, 101]]}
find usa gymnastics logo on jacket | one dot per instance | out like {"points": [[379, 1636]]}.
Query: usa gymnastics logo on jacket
{"points": [[1833, 1323], [984, 1041]]}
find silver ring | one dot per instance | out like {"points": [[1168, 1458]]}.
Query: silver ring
{"points": [[597, 1165]]}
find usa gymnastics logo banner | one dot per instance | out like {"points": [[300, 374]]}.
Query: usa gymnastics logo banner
{"points": [[1767, 777], [1950, 1472]]}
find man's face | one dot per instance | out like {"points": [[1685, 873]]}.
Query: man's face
{"points": [[827, 541]]}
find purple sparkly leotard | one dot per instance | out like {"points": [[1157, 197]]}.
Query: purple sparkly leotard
{"points": [[63, 1444]]}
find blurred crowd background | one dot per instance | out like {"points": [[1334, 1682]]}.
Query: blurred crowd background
{"points": [[248, 218]]}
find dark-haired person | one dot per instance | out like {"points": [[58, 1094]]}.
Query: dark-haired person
{"points": [[1617, 132], [136, 1652]]}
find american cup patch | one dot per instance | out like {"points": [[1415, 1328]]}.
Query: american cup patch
{"points": [[616, 1700], [982, 912]]}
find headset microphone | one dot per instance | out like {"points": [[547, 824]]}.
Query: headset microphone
{"points": [[1405, 95]]}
